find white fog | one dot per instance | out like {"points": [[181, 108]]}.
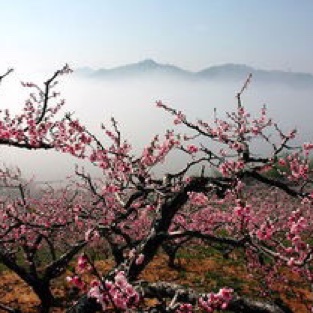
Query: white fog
{"points": [[132, 103]]}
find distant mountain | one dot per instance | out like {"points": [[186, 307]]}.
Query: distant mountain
{"points": [[149, 69], [144, 68]]}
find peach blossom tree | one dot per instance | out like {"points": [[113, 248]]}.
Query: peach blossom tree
{"points": [[222, 197]]}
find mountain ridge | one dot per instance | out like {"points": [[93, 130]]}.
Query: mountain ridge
{"points": [[228, 71]]}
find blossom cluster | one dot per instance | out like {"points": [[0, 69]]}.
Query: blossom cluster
{"points": [[216, 301], [118, 293]]}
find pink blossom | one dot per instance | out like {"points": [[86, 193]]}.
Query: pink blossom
{"points": [[192, 149], [140, 259]]}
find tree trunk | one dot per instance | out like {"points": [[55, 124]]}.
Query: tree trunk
{"points": [[43, 292]]}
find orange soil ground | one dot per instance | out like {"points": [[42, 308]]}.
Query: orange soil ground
{"points": [[200, 273]]}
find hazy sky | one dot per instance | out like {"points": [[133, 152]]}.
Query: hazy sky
{"points": [[39, 36], [44, 34]]}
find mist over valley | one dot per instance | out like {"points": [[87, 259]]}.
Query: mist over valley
{"points": [[129, 94]]}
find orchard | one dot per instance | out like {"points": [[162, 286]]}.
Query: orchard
{"points": [[228, 197]]}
